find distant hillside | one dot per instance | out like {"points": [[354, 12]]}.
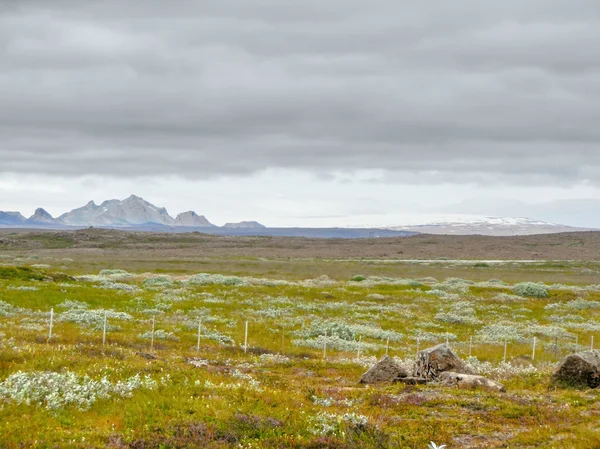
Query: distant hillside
{"points": [[430, 249]]}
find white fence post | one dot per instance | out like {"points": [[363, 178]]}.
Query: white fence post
{"points": [[358, 349], [199, 330], [505, 347], [533, 353], [470, 346], [51, 324], [325, 348], [152, 336], [387, 346], [104, 329], [246, 339]]}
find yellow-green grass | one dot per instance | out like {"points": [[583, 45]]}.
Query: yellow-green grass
{"points": [[190, 408]]}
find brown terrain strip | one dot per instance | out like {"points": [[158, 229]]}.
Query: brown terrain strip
{"points": [[584, 246]]}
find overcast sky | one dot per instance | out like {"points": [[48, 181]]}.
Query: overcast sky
{"points": [[278, 111]]}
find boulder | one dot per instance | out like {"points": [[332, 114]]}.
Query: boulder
{"points": [[433, 361], [579, 370], [470, 381], [386, 370]]}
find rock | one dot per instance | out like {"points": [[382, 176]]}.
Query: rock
{"points": [[386, 370], [579, 370], [412, 380], [145, 355], [470, 381], [433, 361]]}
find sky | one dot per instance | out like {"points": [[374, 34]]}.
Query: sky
{"points": [[298, 111]]}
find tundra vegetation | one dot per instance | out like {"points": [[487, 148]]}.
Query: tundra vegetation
{"points": [[175, 370]]}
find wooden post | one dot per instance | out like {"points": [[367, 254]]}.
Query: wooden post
{"points": [[555, 346], [325, 348], [533, 353], [505, 347], [418, 344], [387, 346], [51, 324], [104, 329], [358, 349], [152, 336], [282, 339], [246, 339], [199, 330], [470, 346]]}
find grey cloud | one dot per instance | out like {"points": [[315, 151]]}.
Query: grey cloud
{"points": [[441, 91]]}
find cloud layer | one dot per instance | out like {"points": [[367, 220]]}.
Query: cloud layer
{"points": [[447, 91]]}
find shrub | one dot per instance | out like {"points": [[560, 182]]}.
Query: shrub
{"points": [[20, 273], [531, 290], [497, 333], [217, 279], [358, 278], [57, 390], [92, 318]]}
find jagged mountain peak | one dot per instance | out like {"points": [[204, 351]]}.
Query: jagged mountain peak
{"points": [[191, 218], [131, 211], [41, 215]]}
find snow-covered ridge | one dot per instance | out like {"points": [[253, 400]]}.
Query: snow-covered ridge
{"points": [[453, 224], [461, 224]]}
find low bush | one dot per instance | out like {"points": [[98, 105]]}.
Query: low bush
{"points": [[531, 290]]}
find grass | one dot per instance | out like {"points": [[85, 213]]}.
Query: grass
{"points": [[282, 393]]}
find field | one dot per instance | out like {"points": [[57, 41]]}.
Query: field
{"points": [[121, 340]]}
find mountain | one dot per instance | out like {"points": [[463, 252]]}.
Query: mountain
{"points": [[41, 217], [135, 213], [481, 225], [131, 211], [244, 225], [11, 219], [192, 219]]}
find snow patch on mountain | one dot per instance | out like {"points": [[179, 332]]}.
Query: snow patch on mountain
{"points": [[459, 224]]}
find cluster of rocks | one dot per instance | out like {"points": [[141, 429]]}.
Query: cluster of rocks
{"points": [[441, 364], [437, 364]]}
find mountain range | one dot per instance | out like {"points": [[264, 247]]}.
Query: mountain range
{"points": [[135, 213], [130, 212]]}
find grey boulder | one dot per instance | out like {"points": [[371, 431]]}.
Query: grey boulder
{"points": [[386, 370], [470, 381], [579, 370], [433, 361]]}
